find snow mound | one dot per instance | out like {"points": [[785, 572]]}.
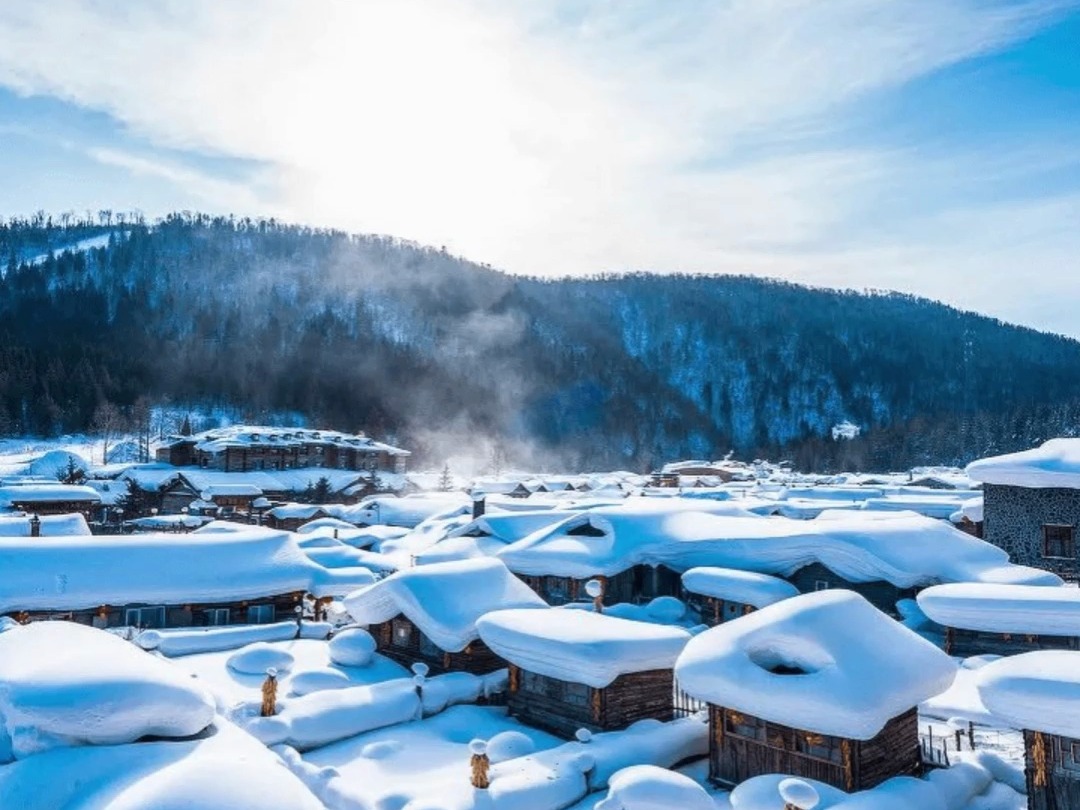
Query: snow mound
{"points": [[799, 793], [665, 610], [828, 662], [1036, 691], [352, 647], [172, 643], [257, 658], [55, 462], [764, 793], [647, 787], [318, 680], [64, 684], [225, 769], [509, 745]]}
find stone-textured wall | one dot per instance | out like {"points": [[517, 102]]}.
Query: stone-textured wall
{"points": [[1014, 518]]}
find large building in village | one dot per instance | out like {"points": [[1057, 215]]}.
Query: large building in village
{"points": [[244, 448]]}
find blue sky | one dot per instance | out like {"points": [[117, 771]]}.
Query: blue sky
{"points": [[930, 147]]}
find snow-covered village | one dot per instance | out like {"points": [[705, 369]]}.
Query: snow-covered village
{"points": [[539, 405], [199, 631]]}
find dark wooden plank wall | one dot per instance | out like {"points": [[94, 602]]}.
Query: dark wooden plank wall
{"points": [[742, 746], [562, 707], [476, 658], [882, 595], [1060, 787], [636, 585], [966, 643], [715, 611], [188, 615]]}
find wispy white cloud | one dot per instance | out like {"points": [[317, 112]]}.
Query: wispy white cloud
{"points": [[556, 137]]}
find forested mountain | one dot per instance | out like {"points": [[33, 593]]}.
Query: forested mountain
{"points": [[407, 342]]}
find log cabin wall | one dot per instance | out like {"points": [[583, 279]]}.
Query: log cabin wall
{"points": [[636, 585], [194, 614], [966, 643], [715, 611], [402, 641], [562, 707], [1052, 771], [743, 746], [882, 595]]}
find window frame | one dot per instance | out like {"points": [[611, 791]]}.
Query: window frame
{"points": [[1058, 543]]}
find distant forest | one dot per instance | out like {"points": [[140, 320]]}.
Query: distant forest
{"points": [[109, 314]]}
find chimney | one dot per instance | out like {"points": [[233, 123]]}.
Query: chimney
{"points": [[35, 526], [479, 502]]}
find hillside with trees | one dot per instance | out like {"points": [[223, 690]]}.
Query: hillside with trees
{"points": [[103, 318]]}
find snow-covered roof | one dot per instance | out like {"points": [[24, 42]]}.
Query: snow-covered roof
{"points": [[75, 573], [972, 509], [298, 511], [151, 477], [109, 492], [1026, 609], [443, 600], [580, 646], [854, 667], [51, 525], [745, 587], [47, 493], [1037, 691], [218, 439], [1055, 464], [902, 548], [230, 490]]}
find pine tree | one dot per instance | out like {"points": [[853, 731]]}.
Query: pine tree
{"points": [[71, 473], [320, 493], [446, 481]]}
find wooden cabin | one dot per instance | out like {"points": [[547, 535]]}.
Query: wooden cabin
{"points": [[50, 499], [1039, 693], [720, 595], [636, 585], [291, 516], [428, 614], [990, 619], [401, 640], [265, 610], [767, 717], [574, 669], [881, 594], [248, 576]]}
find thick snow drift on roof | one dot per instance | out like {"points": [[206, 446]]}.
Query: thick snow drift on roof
{"points": [[733, 585], [51, 526], [1055, 464], [579, 646], [1026, 609], [65, 684], [74, 573], [1038, 691], [47, 493], [903, 548], [444, 600], [857, 668], [407, 511], [226, 769]]}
